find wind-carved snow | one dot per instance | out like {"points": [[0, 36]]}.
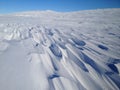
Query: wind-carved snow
{"points": [[60, 51]]}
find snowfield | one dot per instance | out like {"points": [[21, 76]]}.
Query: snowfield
{"points": [[47, 50]]}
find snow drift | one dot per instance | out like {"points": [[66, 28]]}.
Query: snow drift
{"points": [[47, 50]]}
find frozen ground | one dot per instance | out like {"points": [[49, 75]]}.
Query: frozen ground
{"points": [[47, 50]]}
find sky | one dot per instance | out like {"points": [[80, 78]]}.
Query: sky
{"points": [[11, 6]]}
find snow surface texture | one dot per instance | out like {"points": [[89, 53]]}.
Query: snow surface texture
{"points": [[47, 50]]}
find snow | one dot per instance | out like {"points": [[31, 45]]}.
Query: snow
{"points": [[48, 50]]}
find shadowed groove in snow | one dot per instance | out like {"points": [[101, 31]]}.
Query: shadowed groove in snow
{"points": [[55, 66], [116, 79], [80, 48], [50, 33], [53, 76], [102, 47], [55, 50], [62, 45], [79, 42], [77, 61], [113, 67], [111, 33], [89, 61], [36, 44], [114, 61]]}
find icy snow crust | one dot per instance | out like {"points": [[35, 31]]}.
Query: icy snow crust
{"points": [[48, 50]]}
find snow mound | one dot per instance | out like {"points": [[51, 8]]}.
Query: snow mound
{"points": [[47, 50]]}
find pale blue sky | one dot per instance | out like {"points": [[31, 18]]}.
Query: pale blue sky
{"points": [[10, 6]]}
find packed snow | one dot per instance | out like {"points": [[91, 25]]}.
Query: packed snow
{"points": [[48, 50]]}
